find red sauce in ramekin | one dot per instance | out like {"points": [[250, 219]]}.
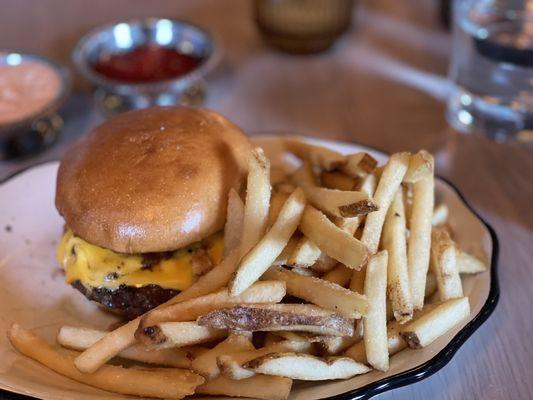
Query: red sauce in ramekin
{"points": [[148, 63]]}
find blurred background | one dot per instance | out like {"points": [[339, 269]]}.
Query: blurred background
{"points": [[383, 79]]}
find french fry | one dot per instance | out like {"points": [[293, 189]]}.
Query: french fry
{"points": [[334, 345], [440, 215], [338, 202], [278, 317], [437, 322], [215, 279], [206, 364], [271, 338], [257, 261], [323, 264], [395, 344], [348, 225], [277, 201], [283, 258], [232, 369], [468, 264], [320, 292], [338, 180], [285, 187], [305, 253], [420, 167], [333, 241], [306, 367], [357, 282], [293, 336], [394, 339], [278, 175], [368, 185], [375, 321], [165, 383], [257, 203], [419, 244], [407, 194], [359, 165], [357, 352], [304, 271], [108, 347], [388, 185], [257, 387], [234, 222], [178, 334], [231, 365], [304, 175], [296, 346], [431, 284], [397, 275], [83, 338], [261, 292], [444, 265], [322, 157], [339, 275]]}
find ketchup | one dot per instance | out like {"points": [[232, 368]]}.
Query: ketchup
{"points": [[148, 63]]}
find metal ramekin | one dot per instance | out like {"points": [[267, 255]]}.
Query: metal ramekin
{"points": [[117, 96]]}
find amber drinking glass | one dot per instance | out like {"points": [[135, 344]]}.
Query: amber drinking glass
{"points": [[302, 26]]}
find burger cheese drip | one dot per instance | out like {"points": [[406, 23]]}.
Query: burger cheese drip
{"points": [[95, 266]]}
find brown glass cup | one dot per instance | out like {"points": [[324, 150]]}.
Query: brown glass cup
{"points": [[303, 26]]}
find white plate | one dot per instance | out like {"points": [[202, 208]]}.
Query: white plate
{"points": [[33, 293]]}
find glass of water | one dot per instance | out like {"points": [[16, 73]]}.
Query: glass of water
{"points": [[492, 69]]}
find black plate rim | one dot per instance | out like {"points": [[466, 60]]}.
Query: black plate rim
{"points": [[419, 372]]}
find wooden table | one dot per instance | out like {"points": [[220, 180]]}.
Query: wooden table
{"points": [[381, 86]]}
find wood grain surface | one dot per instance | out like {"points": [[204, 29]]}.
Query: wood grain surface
{"points": [[383, 86]]}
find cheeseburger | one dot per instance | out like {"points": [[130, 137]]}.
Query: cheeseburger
{"points": [[144, 201]]}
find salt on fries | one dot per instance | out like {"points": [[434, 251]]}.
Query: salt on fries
{"points": [[362, 245]]}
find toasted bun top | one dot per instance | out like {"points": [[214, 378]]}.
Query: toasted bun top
{"points": [[152, 180]]}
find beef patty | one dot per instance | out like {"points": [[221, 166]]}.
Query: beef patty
{"points": [[127, 301]]}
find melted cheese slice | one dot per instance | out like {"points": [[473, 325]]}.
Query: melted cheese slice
{"points": [[96, 266]]}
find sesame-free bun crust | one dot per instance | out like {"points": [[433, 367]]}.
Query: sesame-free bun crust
{"points": [[152, 180]]}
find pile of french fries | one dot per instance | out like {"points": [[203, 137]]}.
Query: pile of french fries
{"points": [[328, 271]]}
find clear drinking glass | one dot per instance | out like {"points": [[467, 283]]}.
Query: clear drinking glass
{"points": [[492, 68]]}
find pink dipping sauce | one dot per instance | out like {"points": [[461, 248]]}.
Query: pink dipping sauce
{"points": [[26, 89]]}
